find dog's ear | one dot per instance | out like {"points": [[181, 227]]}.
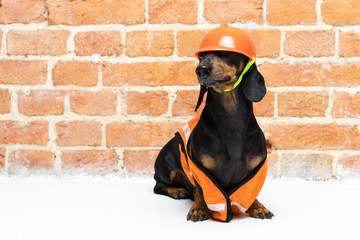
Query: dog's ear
{"points": [[253, 85], [202, 92]]}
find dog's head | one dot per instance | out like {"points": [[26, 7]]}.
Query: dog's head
{"points": [[220, 70]]}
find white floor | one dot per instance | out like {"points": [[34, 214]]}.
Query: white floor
{"points": [[113, 208]]}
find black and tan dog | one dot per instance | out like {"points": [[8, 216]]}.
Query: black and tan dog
{"points": [[227, 141]]}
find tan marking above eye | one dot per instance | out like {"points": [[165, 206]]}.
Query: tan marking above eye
{"points": [[208, 161], [226, 70]]}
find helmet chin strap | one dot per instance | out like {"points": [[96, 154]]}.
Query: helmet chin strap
{"points": [[247, 67]]}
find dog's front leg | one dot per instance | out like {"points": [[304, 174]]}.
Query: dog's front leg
{"points": [[199, 211]]}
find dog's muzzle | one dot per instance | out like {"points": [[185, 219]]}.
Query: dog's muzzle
{"points": [[203, 71]]}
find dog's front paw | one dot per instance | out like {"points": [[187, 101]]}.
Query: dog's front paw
{"points": [[257, 210], [200, 214], [261, 213]]}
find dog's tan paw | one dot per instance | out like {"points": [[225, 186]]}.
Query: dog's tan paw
{"points": [[196, 215], [257, 210], [178, 193], [199, 211]]}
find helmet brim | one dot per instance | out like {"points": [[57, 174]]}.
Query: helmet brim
{"points": [[220, 48]]}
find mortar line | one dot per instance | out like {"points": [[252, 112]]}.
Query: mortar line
{"points": [[3, 42], [201, 25], [103, 135], [318, 12], [334, 165], [350, 89], [282, 43], [265, 12], [148, 59], [70, 43], [200, 16], [147, 12], [14, 101], [120, 163], [172, 98], [23, 119], [328, 111], [52, 146], [50, 66], [334, 153]]}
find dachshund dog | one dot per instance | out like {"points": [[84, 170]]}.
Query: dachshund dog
{"points": [[227, 143]]}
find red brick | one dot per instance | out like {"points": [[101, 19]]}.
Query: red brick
{"points": [[78, 133], [140, 134], [173, 11], [267, 42], [38, 42], [266, 107], [141, 161], [90, 161], [185, 103], [340, 12], [24, 11], [313, 136], [75, 73], [284, 12], [148, 103], [41, 102], [189, 41], [220, 11], [310, 43], [349, 44], [2, 157], [105, 43], [150, 43], [149, 74], [346, 105], [310, 74], [34, 132], [69, 12], [5, 101], [349, 164], [31, 159], [101, 103], [303, 104], [341, 74], [307, 166], [23, 72]]}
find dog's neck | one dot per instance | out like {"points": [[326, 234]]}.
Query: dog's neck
{"points": [[232, 115], [229, 106]]}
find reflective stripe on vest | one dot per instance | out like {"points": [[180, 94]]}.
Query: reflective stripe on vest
{"points": [[221, 204]]}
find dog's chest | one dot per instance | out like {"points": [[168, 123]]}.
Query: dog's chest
{"points": [[224, 162], [228, 172]]}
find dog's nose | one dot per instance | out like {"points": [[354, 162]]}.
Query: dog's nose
{"points": [[203, 71]]}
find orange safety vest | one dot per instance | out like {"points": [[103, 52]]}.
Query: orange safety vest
{"points": [[221, 203]]}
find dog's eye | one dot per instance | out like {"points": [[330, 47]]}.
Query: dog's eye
{"points": [[201, 55], [223, 54]]}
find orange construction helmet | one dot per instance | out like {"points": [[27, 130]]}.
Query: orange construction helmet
{"points": [[226, 38]]}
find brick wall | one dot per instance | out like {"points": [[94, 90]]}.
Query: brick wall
{"points": [[99, 86]]}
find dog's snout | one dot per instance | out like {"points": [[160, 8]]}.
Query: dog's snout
{"points": [[203, 71]]}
